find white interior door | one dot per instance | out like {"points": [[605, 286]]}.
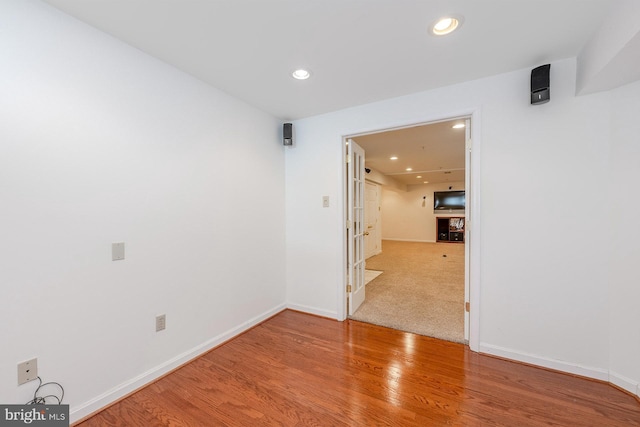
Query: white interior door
{"points": [[356, 226], [467, 234], [372, 241]]}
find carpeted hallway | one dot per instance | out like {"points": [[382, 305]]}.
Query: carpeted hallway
{"points": [[421, 289]]}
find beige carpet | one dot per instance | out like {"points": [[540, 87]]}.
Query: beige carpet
{"points": [[421, 290]]}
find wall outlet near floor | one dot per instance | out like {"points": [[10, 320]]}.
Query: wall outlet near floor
{"points": [[161, 322], [27, 371]]}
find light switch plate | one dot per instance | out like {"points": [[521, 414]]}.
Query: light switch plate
{"points": [[325, 201], [117, 251]]}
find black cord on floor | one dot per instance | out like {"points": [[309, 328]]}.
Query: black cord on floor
{"points": [[42, 400]]}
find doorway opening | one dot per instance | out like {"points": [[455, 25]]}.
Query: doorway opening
{"points": [[395, 228]]}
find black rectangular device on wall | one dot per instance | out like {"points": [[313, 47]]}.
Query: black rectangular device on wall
{"points": [[287, 134], [540, 85]]}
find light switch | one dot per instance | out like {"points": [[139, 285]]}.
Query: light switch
{"points": [[325, 201], [117, 251]]}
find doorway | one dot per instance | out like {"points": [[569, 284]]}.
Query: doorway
{"points": [[412, 160]]}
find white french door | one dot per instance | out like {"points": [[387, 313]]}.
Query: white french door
{"points": [[468, 224], [355, 226]]}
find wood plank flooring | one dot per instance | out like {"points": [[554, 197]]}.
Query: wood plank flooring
{"points": [[301, 370]]}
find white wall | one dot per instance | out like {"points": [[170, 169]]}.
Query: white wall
{"points": [[409, 215], [385, 180], [624, 237], [542, 279], [99, 144], [610, 58]]}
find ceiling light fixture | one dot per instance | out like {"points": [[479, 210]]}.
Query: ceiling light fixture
{"points": [[458, 126], [301, 74], [425, 182], [446, 25], [419, 176], [393, 158], [408, 169]]}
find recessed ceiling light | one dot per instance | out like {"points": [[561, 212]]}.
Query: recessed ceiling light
{"points": [[393, 158], [408, 169], [419, 176], [445, 25], [458, 126], [301, 74], [425, 182]]}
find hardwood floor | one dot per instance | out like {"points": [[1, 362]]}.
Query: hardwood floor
{"points": [[301, 370]]}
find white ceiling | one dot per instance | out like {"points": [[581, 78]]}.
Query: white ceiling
{"points": [[434, 152], [359, 51]]}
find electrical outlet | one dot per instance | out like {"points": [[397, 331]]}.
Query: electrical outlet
{"points": [[27, 371], [161, 322]]}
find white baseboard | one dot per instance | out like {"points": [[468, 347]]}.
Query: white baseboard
{"points": [[558, 365], [376, 253], [110, 396], [313, 310], [624, 383]]}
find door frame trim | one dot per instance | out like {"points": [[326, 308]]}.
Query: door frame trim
{"points": [[474, 200]]}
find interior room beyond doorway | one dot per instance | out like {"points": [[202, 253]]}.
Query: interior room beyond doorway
{"points": [[422, 285]]}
